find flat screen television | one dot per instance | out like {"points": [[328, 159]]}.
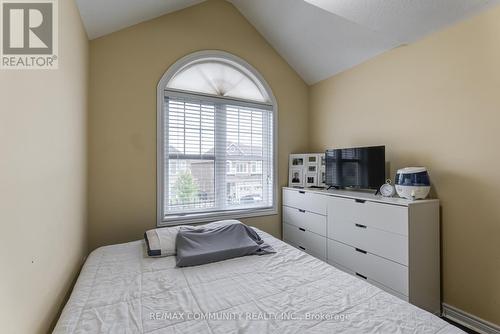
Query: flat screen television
{"points": [[358, 167]]}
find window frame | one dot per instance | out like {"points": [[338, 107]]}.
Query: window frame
{"points": [[162, 91]]}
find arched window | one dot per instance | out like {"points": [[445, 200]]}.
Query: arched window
{"points": [[216, 140]]}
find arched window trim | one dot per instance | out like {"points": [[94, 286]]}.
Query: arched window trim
{"points": [[162, 91]]}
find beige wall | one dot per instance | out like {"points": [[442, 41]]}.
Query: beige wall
{"points": [[434, 103], [43, 181], [125, 69]]}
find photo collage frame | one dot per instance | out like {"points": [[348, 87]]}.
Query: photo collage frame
{"points": [[306, 170]]}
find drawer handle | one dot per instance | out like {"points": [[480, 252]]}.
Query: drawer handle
{"points": [[360, 225], [362, 276], [361, 251], [303, 211], [302, 248], [302, 229], [359, 200], [302, 192]]}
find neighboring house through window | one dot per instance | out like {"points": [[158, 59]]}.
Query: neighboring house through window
{"points": [[216, 140]]}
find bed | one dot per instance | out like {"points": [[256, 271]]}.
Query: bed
{"points": [[122, 290]]}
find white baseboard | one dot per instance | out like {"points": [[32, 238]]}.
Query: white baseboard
{"points": [[470, 321]]}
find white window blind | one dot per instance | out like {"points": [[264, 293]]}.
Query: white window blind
{"points": [[218, 155], [217, 78]]}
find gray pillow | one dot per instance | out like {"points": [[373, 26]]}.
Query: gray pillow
{"points": [[161, 241], [212, 244]]}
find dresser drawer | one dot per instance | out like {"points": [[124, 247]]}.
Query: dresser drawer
{"points": [[385, 244], [369, 280], [306, 251], [305, 240], [312, 222], [390, 274], [390, 218], [305, 200]]}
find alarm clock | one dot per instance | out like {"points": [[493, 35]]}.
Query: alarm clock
{"points": [[387, 189]]}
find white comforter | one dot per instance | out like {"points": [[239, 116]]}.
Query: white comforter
{"points": [[121, 290]]}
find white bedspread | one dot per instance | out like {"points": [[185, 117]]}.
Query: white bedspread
{"points": [[121, 290]]}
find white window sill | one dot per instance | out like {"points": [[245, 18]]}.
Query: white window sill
{"points": [[214, 216]]}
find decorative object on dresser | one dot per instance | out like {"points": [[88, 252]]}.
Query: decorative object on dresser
{"points": [[387, 189], [392, 243], [306, 170], [413, 183], [296, 177]]}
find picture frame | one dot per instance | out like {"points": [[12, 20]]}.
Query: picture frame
{"points": [[296, 177], [297, 160], [305, 170], [311, 179], [322, 177]]}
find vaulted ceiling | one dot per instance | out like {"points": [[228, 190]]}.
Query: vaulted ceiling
{"points": [[102, 17], [318, 38]]}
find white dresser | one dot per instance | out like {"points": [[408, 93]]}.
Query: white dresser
{"points": [[391, 242]]}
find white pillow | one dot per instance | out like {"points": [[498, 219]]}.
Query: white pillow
{"points": [[161, 241]]}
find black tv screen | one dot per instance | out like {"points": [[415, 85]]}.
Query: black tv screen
{"points": [[359, 167]]}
